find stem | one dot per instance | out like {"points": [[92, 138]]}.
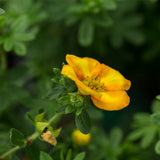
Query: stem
{"points": [[9, 152], [54, 117], [29, 140], [33, 136]]}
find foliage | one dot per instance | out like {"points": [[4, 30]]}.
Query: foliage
{"points": [[34, 38]]}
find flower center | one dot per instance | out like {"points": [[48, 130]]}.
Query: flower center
{"points": [[94, 84]]}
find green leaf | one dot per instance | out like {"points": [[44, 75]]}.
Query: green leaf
{"points": [[80, 156], [156, 118], [4, 141], [148, 137], [134, 36], [24, 37], [61, 155], [76, 9], [94, 112], [56, 91], [45, 156], [157, 147], [8, 44], [15, 157], [79, 110], [69, 84], [20, 24], [20, 48], [64, 100], [69, 109], [83, 122], [1, 11], [3, 20], [105, 21], [155, 106], [142, 118], [86, 32], [61, 109], [7, 98], [109, 4], [135, 135], [55, 132], [16, 137], [29, 117], [41, 126], [57, 71], [40, 117], [69, 154], [32, 151], [158, 97], [116, 137]]}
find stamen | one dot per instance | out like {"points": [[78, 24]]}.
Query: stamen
{"points": [[94, 84]]}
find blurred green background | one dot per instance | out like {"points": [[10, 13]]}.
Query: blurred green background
{"points": [[35, 36]]}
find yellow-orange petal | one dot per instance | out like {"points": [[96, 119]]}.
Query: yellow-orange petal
{"points": [[69, 72], [84, 67], [111, 100], [82, 88], [112, 79]]}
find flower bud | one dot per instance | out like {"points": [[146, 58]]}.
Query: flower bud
{"points": [[76, 100], [80, 139]]}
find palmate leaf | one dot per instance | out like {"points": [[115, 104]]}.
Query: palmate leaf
{"points": [[145, 129], [128, 29]]}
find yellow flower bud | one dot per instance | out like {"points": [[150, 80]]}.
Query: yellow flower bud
{"points": [[80, 139]]}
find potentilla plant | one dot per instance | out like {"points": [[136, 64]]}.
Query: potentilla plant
{"points": [[82, 84]]}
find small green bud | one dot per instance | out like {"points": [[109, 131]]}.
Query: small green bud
{"points": [[76, 100], [56, 71]]}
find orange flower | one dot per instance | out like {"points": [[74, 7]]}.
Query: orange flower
{"points": [[105, 85]]}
